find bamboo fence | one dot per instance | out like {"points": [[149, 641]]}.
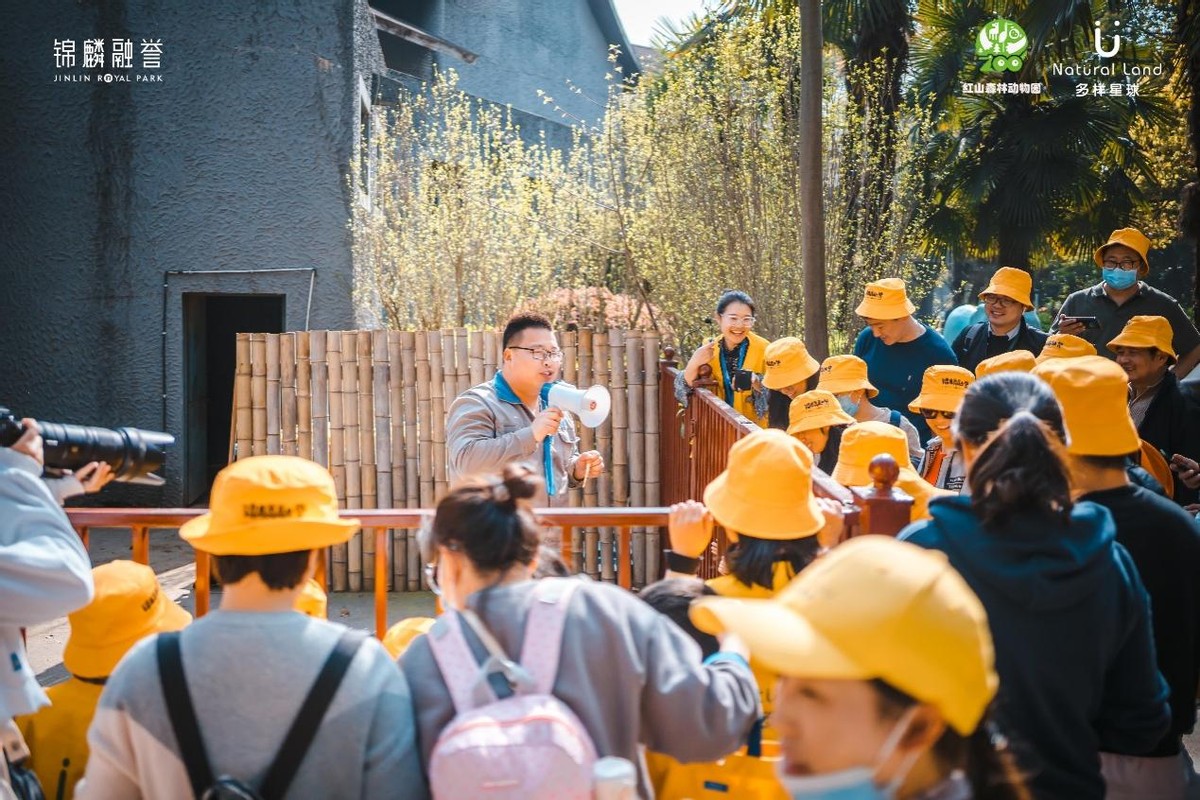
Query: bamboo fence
{"points": [[371, 407]]}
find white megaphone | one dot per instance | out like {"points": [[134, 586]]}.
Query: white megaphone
{"points": [[590, 405]]}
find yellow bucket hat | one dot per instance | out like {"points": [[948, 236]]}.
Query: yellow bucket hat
{"points": [[1012, 361], [270, 504], [313, 602], [841, 374], [401, 635], [1146, 331], [1013, 283], [885, 299], [873, 607], [129, 605], [788, 363], [1064, 345], [1094, 395], [1131, 238], [863, 441], [815, 409], [766, 489], [942, 388]]}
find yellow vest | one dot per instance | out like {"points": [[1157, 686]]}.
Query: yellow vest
{"points": [[756, 361], [57, 736], [749, 778]]}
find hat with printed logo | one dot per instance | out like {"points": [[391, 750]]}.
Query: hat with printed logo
{"points": [[788, 363], [885, 299]]}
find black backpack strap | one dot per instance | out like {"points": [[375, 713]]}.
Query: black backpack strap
{"points": [[894, 418], [182, 713], [308, 721]]}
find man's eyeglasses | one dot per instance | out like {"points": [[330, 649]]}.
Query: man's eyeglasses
{"points": [[747, 322], [539, 354], [1125, 263], [998, 300], [931, 413]]}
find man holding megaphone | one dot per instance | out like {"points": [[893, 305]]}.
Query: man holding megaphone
{"points": [[522, 415]]}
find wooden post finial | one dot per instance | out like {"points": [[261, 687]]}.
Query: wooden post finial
{"points": [[884, 472]]}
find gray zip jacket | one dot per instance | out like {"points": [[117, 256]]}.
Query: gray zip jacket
{"points": [[487, 428]]}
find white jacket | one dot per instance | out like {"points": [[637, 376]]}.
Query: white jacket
{"points": [[45, 573]]}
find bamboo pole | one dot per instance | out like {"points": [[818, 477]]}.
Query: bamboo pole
{"points": [[441, 378], [461, 363], [620, 435], [602, 372], [413, 449], [491, 351], [258, 393], [242, 418], [273, 398], [586, 536], [569, 342], [352, 441], [653, 468], [339, 556], [287, 392], [318, 354], [304, 442], [399, 467], [424, 425], [366, 450], [475, 357], [635, 354]]}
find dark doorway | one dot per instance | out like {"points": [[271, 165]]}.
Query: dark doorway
{"points": [[211, 323]]}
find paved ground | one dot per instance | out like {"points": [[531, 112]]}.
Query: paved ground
{"points": [[172, 560]]}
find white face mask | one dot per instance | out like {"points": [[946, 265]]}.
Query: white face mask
{"points": [[854, 783]]}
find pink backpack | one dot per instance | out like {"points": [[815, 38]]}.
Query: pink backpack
{"points": [[528, 746]]}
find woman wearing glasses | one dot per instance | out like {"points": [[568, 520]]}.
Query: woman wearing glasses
{"points": [[737, 358], [1005, 300], [942, 391]]}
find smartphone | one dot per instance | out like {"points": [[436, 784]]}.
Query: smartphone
{"points": [[743, 380], [1089, 323]]}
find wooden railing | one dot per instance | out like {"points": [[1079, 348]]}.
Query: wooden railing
{"points": [[694, 448], [377, 524]]}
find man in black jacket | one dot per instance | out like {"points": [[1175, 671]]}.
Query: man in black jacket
{"points": [[1164, 541], [1006, 299], [1164, 416]]}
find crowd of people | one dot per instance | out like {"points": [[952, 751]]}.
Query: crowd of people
{"points": [[1033, 633]]}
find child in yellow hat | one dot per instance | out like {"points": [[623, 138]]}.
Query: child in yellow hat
{"points": [[887, 676], [817, 420], [789, 368], [845, 377], [942, 390], [865, 440], [129, 605]]}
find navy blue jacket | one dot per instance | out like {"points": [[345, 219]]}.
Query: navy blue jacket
{"points": [[1074, 646]]}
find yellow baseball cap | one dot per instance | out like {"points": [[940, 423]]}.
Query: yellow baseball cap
{"points": [[313, 601], [942, 388], [788, 363], [1012, 361], [1013, 283], [841, 374], [766, 489], [815, 409], [873, 607], [1094, 394], [270, 504], [129, 604], [885, 299], [401, 635], [1064, 345], [1146, 331], [1131, 238]]}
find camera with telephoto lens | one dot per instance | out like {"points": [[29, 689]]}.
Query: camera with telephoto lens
{"points": [[133, 454]]}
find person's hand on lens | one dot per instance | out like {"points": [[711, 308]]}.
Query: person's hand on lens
{"points": [[30, 443], [94, 476], [546, 423], [690, 528]]}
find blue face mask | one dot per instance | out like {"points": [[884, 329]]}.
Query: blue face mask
{"points": [[855, 783], [1119, 278], [849, 406]]}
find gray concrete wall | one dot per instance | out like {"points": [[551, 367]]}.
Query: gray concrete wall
{"points": [[236, 161]]}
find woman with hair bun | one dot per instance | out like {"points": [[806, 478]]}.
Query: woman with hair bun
{"points": [[1068, 612], [629, 674]]}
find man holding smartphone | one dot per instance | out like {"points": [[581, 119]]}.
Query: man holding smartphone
{"points": [[1099, 313]]}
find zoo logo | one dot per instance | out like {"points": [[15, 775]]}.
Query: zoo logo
{"points": [[1001, 45]]}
